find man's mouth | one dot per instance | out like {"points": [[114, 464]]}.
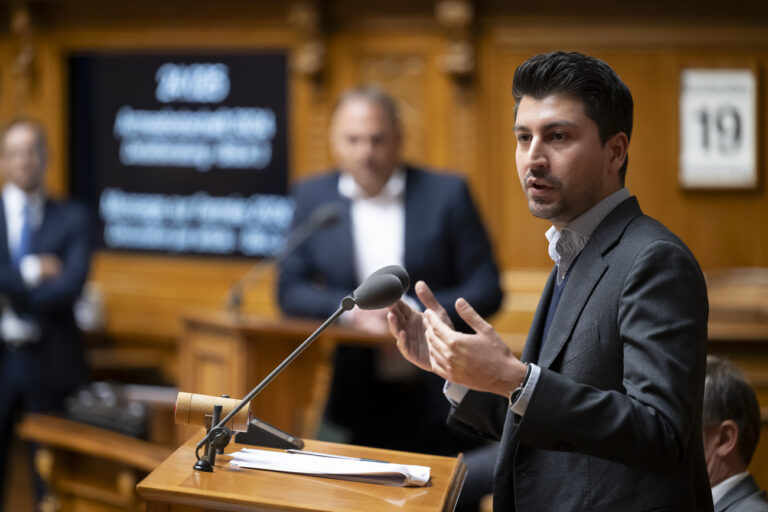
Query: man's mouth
{"points": [[538, 184]]}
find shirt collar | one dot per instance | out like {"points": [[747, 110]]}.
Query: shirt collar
{"points": [[16, 200], [721, 489], [394, 188], [566, 244]]}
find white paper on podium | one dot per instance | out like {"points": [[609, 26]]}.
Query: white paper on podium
{"points": [[333, 467]]}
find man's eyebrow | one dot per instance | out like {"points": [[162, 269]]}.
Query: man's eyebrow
{"points": [[548, 126]]}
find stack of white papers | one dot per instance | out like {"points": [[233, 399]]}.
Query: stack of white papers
{"points": [[333, 466]]}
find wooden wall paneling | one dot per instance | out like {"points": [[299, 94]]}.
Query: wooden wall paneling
{"points": [[7, 82], [521, 236], [716, 225], [403, 65]]}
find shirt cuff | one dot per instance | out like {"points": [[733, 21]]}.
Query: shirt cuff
{"points": [[454, 392], [521, 404], [31, 270]]}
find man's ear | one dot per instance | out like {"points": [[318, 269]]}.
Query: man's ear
{"points": [[727, 438], [618, 145]]}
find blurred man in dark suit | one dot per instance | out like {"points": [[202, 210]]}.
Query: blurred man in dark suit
{"points": [[44, 259], [393, 213], [731, 431]]}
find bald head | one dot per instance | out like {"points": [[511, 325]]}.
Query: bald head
{"points": [[365, 137]]}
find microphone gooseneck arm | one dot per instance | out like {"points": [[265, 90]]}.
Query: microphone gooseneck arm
{"points": [[379, 290], [323, 216], [345, 306]]}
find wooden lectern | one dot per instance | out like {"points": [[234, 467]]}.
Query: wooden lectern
{"points": [[174, 486], [228, 353]]}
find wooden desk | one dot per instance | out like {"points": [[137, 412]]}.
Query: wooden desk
{"points": [[88, 468], [175, 486], [225, 353]]}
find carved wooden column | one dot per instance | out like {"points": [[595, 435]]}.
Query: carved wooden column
{"points": [[24, 72], [308, 62]]}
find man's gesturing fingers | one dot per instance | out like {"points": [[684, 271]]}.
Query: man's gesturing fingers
{"points": [[473, 319], [430, 302]]}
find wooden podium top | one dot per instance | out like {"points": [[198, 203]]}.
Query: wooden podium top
{"points": [[278, 325], [175, 483]]}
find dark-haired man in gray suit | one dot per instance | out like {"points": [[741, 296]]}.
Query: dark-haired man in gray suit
{"points": [[603, 412], [731, 432]]}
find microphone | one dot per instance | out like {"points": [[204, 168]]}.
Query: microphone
{"points": [[379, 290], [399, 272], [325, 215]]}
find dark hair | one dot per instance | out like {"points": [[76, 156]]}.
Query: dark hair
{"points": [[606, 98], [36, 125], [728, 396], [371, 94]]}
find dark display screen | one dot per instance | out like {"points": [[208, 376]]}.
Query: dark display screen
{"points": [[182, 153]]}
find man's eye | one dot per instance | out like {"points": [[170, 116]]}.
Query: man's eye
{"points": [[523, 137], [558, 136]]}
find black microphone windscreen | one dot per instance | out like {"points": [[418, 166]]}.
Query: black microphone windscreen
{"points": [[378, 291], [397, 271]]}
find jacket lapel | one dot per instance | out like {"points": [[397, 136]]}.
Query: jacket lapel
{"points": [[41, 233], [589, 268], [339, 238], [5, 253], [533, 341], [411, 212]]}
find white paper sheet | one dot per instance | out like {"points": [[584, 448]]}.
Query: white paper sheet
{"points": [[333, 467]]}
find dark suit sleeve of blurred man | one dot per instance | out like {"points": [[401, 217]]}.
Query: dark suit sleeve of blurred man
{"points": [[44, 259]]}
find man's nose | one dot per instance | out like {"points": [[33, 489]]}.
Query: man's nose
{"points": [[536, 156]]}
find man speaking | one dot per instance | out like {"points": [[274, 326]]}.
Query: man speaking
{"points": [[603, 411]]}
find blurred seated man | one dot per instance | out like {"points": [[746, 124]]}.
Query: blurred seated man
{"points": [[731, 431], [44, 259], [393, 213]]}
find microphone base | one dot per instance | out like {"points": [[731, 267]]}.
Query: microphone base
{"points": [[261, 433], [203, 465]]}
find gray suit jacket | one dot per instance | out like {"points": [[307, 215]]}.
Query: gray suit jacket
{"points": [[615, 419], [745, 497]]}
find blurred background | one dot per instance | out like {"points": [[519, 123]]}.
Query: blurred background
{"points": [[182, 125]]}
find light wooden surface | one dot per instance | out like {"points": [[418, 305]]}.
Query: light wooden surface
{"points": [[88, 469], [174, 485], [222, 353]]}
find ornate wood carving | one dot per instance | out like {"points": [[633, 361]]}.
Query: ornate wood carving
{"points": [[455, 16], [308, 58], [404, 77], [24, 61]]}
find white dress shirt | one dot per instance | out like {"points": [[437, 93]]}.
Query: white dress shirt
{"points": [[378, 238], [378, 223]]}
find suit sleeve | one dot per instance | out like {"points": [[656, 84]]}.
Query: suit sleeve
{"points": [[649, 424], [474, 265], [300, 290], [61, 291]]}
